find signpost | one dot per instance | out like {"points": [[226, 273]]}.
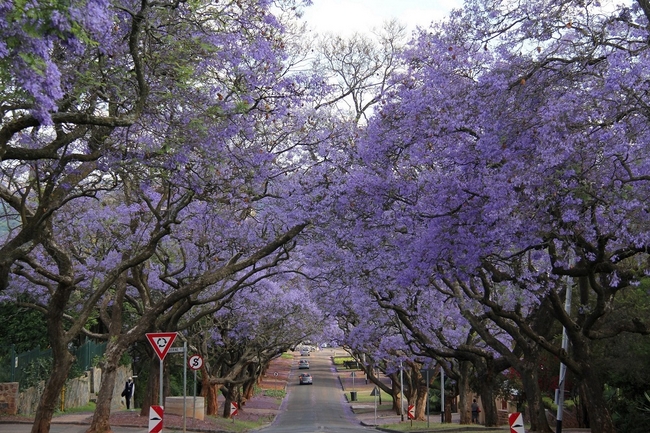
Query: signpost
{"points": [[161, 343], [195, 363], [234, 408], [375, 393]]}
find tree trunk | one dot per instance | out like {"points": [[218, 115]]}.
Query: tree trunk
{"points": [[421, 397], [230, 393], [210, 393], [249, 390], [62, 361], [591, 389], [153, 386], [395, 392], [397, 400], [530, 379], [100, 422], [486, 391], [464, 393]]}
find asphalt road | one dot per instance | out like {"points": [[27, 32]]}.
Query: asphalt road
{"points": [[320, 407]]}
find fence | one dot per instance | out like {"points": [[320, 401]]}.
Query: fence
{"points": [[28, 367]]}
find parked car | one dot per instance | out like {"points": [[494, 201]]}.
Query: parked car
{"points": [[303, 364], [305, 379]]}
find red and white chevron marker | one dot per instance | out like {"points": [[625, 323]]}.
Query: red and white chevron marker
{"points": [[516, 421], [155, 419], [234, 408], [411, 412]]}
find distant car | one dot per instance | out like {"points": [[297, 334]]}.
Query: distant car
{"points": [[303, 364], [305, 379], [305, 352]]}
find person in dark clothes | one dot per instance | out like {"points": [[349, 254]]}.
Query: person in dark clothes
{"points": [[128, 392], [475, 412]]}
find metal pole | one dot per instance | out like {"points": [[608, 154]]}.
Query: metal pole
{"points": [[377, 391], [184, 386], [14, 362], [442, 395], [160, 377], [565, 346], [194, 400], [401, 391]]}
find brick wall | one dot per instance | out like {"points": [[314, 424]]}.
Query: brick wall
{"points": [[9, 398]]}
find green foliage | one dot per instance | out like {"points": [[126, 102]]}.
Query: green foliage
{"points": [[97, 360], [126, 359], [630, 414], [624, 364], [75, 371], [36, 371], [22, 327]]}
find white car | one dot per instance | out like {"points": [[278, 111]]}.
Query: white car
{"points": [[305, 379], [303, 364], [305, 352]]}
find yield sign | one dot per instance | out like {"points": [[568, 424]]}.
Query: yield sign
{"points": [[155, 419], [161, 342], [411, 412], [234, 407], [516, 421]]}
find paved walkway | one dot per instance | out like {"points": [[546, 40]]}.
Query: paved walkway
{"points": [[364, 408]]}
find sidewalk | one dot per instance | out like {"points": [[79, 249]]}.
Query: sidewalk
{"points": [[364, 409], [260, 408]]}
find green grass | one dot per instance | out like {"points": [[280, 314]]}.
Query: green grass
{"points": [[339, 360], [365, 397], [90, 407], [422, 426], [277, 393], [287, 355]]}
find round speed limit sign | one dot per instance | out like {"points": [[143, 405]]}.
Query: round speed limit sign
{"points": [[195, 362]]}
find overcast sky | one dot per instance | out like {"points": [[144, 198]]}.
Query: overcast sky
{"points": [[345, 17]]}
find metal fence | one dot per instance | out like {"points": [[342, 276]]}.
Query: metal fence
{"points": [[22, 367]]}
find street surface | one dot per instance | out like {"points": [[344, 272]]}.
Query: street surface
{"points": [[320, 407]]}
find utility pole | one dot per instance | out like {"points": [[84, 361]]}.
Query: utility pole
{"points": [[559, 396]]}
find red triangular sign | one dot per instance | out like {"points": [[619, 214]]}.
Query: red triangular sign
{"points": [[161, 342]]}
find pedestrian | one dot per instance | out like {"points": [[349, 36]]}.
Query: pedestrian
{"points": [[128, 392], [475, 412]]}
